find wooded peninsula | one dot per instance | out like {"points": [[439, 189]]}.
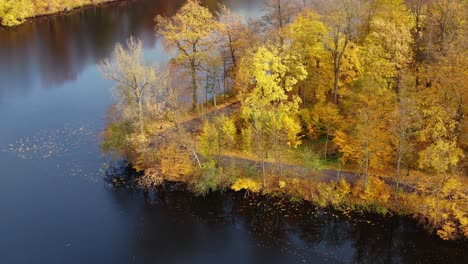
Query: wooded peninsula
{"points": [[357, 105], [352, 104]]}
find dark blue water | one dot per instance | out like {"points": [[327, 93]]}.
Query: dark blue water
{"points": [[55, 206]]}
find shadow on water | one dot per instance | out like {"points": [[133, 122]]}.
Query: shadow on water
{"points": [[120, 175], [278, 228]]}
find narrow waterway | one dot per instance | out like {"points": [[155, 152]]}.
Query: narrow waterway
{"points": [[56, 207]]}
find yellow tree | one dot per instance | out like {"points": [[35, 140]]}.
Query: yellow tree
{"points": [[443, 109], [216, 135], [441, 151], [13, 12], [390, 35], [444, 25], [441, 86], [386, 53], [306, 33], [342, 20], [366, 138], [325, 118], [266, 104], [188, 32], [404, 126]]}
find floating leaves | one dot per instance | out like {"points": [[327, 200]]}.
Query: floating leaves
{"points": [[51, 142]]}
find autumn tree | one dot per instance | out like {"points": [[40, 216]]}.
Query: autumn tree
{"points": [[216, 136], [233, 30], [366, 140], [188, 32], [306, 34], [234, 42], [441, 86], [323, 119], [443, 118], [132, 79], [390, 39], [279, 13], [271, 112], [444, 25], [403, 128], [342, 19]]}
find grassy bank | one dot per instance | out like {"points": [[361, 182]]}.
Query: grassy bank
{"points": [[16, 12]]}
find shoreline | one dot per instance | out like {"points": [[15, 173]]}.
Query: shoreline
{"points": [[74, 8], [339, 189], [265, 197], [350, 206], [63, 11]]}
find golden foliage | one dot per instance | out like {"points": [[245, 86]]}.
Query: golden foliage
{"points": [[175, 160], [246, 184], [14, 12], [377, 192]]}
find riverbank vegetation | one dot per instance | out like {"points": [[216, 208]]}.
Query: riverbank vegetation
{"points": [[358, 105], [15, 12]]}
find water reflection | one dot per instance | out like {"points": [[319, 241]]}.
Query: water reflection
{"points": [[270, 230], [49, 52]]}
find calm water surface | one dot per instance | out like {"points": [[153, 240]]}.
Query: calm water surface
{"points": [[55, 206]]}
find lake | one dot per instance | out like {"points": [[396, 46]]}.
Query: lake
{"points": [[56, 207]]}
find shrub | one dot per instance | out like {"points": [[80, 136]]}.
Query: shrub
{"points": [[246, 184], [114, 137], [311, 159]]}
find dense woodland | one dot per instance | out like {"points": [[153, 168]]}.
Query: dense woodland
{"points": [[14, 12], [373, 87]]}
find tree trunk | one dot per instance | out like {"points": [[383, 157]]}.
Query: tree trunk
{"points": [[219, 148], [398, 170], [225, 78], [217, 87], [140, 117], [231, 49], [398, 84], [326, 143], [335, 86], [207, 86], [194, 86], [400, 152], [304, 91], [139, 100], [366, 170], [263, 156]]}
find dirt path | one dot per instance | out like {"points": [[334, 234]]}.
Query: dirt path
{"points": [[194, 125]]}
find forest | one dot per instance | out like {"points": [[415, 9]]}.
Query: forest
{"points": [[359, 105], [14, 12]]}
